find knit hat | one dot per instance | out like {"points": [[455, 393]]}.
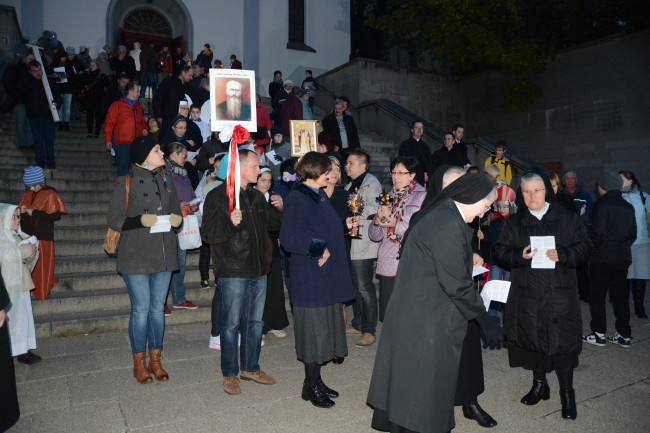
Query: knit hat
{"points": [[141, 148], [222, 172], [285, 82], [82, 49], [33, 175], [505, 193], [70, 50], [610, 181]]}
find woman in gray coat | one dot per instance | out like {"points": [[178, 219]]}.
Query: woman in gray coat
{"points": [[146, 251]]}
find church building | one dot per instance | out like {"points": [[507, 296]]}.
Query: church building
{"points": [[265, 35]]}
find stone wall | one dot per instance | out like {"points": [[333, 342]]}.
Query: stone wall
{"points": [[434, 97], [593, 116]]}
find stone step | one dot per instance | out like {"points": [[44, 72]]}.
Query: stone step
{"points": [[75, 219], [66, 185], [106, 280], [103, 198], [100, 263], [66, 248], [89, 322], [105, 300], [101, 161], [64, 232], [107, 173]]}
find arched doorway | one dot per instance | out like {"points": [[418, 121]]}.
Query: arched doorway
{"points": [[166, 21]]}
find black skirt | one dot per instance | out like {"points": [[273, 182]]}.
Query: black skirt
{"points": [[275, 310], [320, 333], [529, 360]]}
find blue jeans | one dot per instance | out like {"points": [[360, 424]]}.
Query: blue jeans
{"points": [[147, 321], [242, 307], [148, 79], [64, 109], [122, 158], [365, 309], [43, 130], [497, 273], [24, 136], [177, 285]]}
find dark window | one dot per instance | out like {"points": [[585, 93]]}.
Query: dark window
{"points": [[147, 21], [297, 26], [297, 21]]}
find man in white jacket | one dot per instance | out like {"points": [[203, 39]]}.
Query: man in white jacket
{"points": [[363, 251]]}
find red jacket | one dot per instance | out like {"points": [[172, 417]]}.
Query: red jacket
{"points": [[123, 122], [263, 123]]}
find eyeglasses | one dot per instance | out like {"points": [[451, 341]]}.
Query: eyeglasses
{"points": [[182, 155], [532, 191], [15, 217], [399, 173]]}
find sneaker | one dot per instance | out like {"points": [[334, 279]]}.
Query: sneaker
{"points": [[620, 340], [215, 343], [186, 305], [366, 340], [279, 333], [595, 338], [257, 376], [168, 312], [231, 385], [351, 330], [205, 284]]}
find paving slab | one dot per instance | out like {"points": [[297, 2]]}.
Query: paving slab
{"points": [[85, 384]]}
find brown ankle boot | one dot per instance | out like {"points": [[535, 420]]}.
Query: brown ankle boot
{"points": [[155, 367], [140, 369]]}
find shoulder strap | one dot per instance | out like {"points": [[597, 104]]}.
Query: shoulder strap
{"points": [[128, 188]]}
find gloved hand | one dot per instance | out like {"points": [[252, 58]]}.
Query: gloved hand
{"points": [[148, 220], [491, 332], [175, 220]]}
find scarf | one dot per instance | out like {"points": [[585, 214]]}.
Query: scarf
{"points": [[397, 210], [176, 169]]}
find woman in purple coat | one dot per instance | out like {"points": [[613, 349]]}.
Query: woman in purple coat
{"points": [[320, 276], [175, 156], [391, 221]]}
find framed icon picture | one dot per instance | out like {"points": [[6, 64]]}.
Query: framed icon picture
{"points": [[232, 99], [304, 137]]}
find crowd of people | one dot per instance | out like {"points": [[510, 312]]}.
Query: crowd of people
{"points": [[321, 227]]}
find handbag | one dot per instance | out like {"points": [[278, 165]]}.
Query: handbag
{"points": [[112, 237], [189, 236]]}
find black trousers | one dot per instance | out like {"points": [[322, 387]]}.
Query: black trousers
{"points": [[470, 374], [612, 278]]}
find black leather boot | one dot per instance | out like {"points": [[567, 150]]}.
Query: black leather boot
{"points": [[638, 295], [539, 391], [568, 399], [316, 396], [328, 391], [473, 410]]}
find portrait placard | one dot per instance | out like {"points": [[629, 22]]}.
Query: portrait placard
{"points": [[232, 99], [304, 137]]}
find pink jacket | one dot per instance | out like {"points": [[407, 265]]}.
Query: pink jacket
{"points": [[387, 260]]}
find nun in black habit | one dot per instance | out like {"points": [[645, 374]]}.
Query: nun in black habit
{"points": [[415, 375], [9, 412]]}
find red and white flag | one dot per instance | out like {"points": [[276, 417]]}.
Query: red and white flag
{"points": [[233, 178]]}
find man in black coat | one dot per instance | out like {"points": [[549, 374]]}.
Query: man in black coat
{"points": [[39, 114], [341, 128], [241, 256], [170, 93], [123, 63], [419, 150], [276, 85], [13, 80], [450, 153], [612, 232]]}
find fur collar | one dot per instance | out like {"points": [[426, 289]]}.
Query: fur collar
{"points": [[301, 187]]}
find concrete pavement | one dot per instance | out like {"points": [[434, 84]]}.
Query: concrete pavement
{"points": [[85, 384]]}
